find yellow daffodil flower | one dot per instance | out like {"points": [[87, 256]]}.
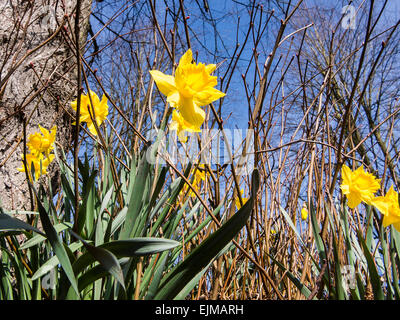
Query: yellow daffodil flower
{"points": [[237, 201], [181, 125], [388, 205], [191, 88], [32, 159], [304, 212], [86, 112], [358, 186], [38, 143]]}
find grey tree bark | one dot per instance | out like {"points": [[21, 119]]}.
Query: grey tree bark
{"points": [[37, 82]]}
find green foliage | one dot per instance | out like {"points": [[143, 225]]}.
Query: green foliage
{"points": [[125, 243]]}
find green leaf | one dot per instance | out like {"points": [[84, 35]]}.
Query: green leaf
{"points": [[159, 185], [24, 212], [10, 223], [106, 200], [166, 197], [6, 278], [53, 262], [105, 258], [317, 237], [118, 220], [386, 267], [393, 252], [151, 292], [135, 202], [344, 221], [128, 248], [370, 228], [57, 244], [39, 238], [103, 220], [95, 273], [318, 241], [86, 209], [374, 276]]}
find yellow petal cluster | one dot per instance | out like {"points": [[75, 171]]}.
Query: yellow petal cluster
{"points": [[99, 112], [39, 144], [191, 88], [42, 142], [304, 213], [38, 162], [358, 186]]}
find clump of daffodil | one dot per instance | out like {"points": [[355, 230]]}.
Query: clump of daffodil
{"points": [[237, 201], [99, 112], [38, 162], [358, 186], [304, 212], [388, 205], [191, 88], [39, 147], [42, 143]]}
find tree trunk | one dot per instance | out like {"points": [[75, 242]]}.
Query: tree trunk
{"points": [[37, 82]]}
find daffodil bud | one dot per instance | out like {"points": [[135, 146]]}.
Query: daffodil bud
{"points": [[304, 212]]}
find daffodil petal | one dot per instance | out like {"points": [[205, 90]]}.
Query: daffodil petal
{"points": [[210, 68], [186, 59], [92, 128], [182, 136], [94, 97], [173, 125], [346, 174], [390, 219], [345, 188], [354, 200], [207, 96], [104, 107], [73, 104], [173, 99], [381, 205], [44, 131], [191, 113]]}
